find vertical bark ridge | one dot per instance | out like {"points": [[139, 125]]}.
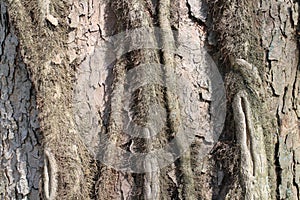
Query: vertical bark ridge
{"points": [[168, 47], [135, 17]]}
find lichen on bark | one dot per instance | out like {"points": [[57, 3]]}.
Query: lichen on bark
{"points": [[43, 48]]}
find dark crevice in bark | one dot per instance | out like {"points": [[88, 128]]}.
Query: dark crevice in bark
{"points": [[138, 106], [152, 9], [284, 99], [138, 188], [97, 174], [294, 178], [4, 20], [192, 17], [174, 120], [281, 22], [290, 11], [110, 84], [277, 167]]}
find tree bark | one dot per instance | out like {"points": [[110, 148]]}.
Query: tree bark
{"points": [[80, 78], [21, 152]]}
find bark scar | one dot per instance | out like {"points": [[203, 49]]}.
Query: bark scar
{"points": [[50, 175], [244, 130], [253, 165]]}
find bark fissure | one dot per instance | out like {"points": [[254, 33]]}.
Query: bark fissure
{"points": [[140, 104], [295, 182], [192, 17], [277, 165]]}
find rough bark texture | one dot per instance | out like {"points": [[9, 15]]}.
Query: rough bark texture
{"points": [[20, 147], [43, 51], [64, 94], [268, 42]]}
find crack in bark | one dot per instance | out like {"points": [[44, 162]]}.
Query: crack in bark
{"points": [[5, 26], [294, 88], [192, 17], [294, 178], [150, 179]]}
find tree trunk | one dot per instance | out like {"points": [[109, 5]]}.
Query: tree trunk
{"points": [[153, 99]]}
